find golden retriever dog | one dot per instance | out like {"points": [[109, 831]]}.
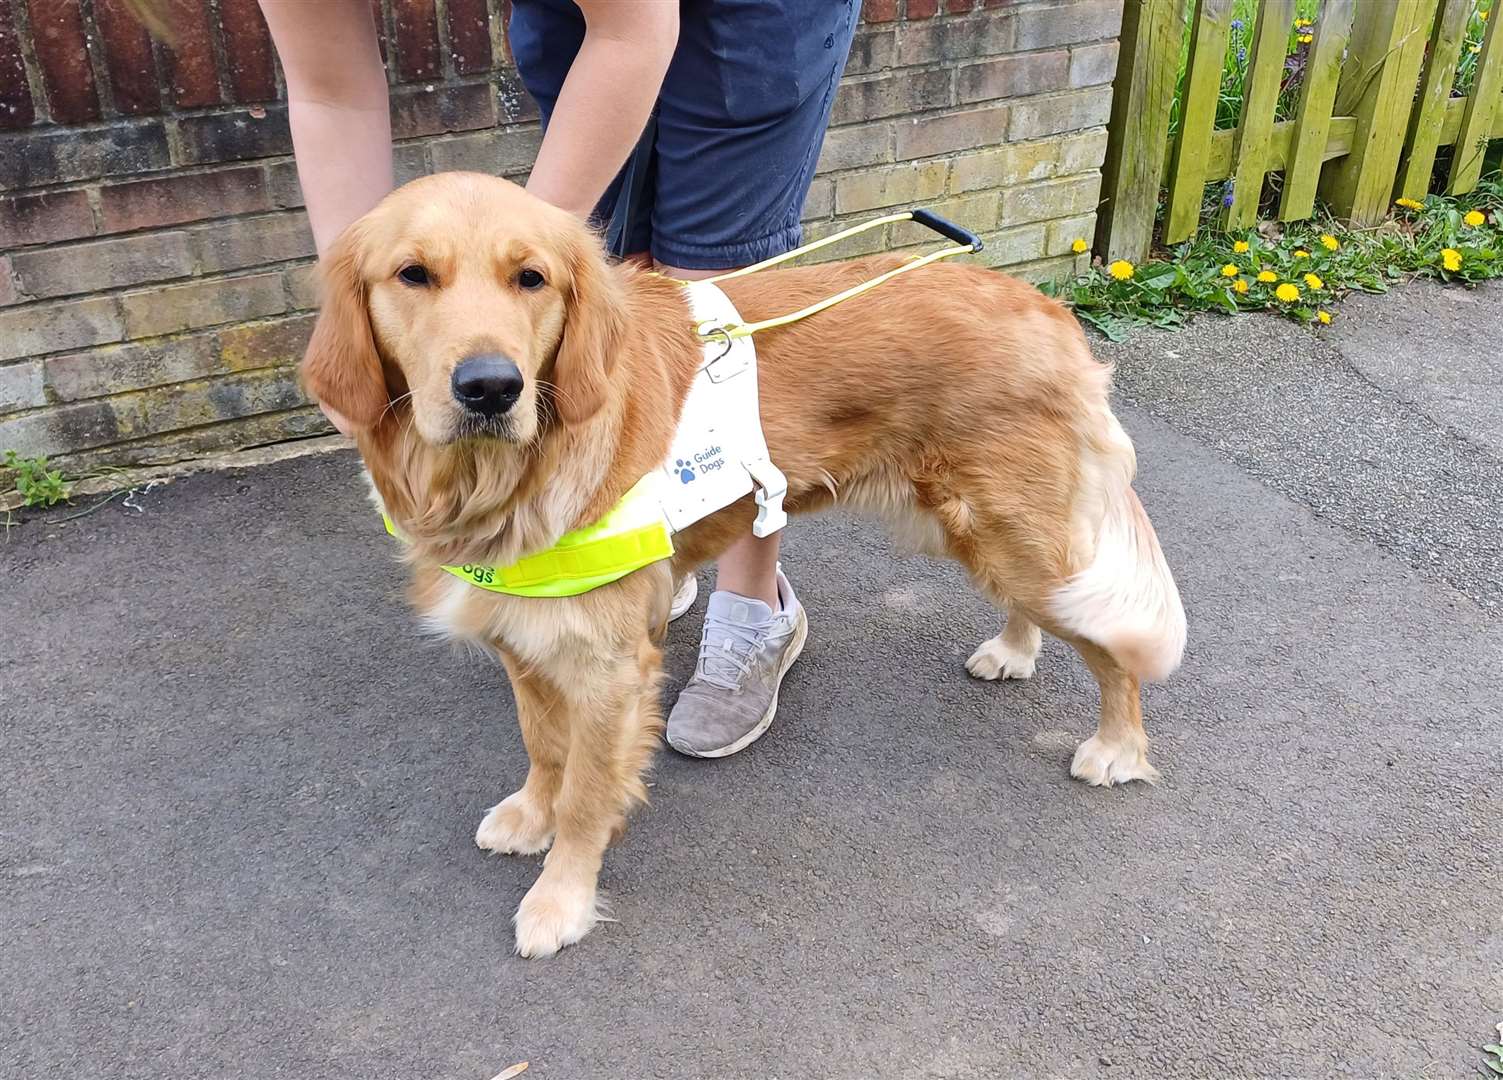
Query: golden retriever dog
{"points": [[960, 406]]}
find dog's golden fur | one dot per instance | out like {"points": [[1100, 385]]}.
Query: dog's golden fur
{"points": [[959, 405]]}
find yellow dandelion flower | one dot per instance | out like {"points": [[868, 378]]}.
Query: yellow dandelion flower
{"points": [[1474, 48], [1240, 285], [1265, 276], [1240, 247], [1313, 280], [1301, 253], [1329, 242], [1450, 258], [1080, 247], [1409, 204], [1287, 292], [1473, 218], [1324, 317], [1483, 15], [1305, 39], [1230, 270], [1121, 269]]}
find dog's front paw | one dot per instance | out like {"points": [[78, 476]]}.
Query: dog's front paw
{"points": [[553, 915], [514, 826], [996, 660], [1102, 764]]}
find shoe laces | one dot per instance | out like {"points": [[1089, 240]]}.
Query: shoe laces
{"points": [[726, 651]]}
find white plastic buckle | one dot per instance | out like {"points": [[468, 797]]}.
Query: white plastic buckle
{"points": [[771, 486]]}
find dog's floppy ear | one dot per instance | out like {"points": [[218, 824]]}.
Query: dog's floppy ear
{"points": [[342, 368], [594, 326]]}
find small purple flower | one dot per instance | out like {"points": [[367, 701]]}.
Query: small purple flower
{"points": [[1241, 56], [1236, 24]]}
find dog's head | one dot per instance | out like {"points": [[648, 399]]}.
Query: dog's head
{"points": [[483, 310]]}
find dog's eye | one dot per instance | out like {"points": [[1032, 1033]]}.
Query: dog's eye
{"points": [[414, 274], [530, 279]]}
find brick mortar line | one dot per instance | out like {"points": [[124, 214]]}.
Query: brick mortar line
{"points": [[119, 291], [194, 112], [973, 106], [198, 168], [193, 225], [948, 108], [197, 380], [219, 54], [21, 21], [159, 71], [173, 112], [961, 62], [495, 21], [204, 225], [447, 70], [388, 30], [94, 45]]}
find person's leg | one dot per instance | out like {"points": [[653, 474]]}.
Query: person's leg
{"points": [[337, 107], [749, 567], [740, 122]]}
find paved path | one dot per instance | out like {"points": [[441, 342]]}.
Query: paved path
{"points": [[237, 792]]}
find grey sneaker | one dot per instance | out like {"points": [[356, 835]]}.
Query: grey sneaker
{"points": [[744, 653]]}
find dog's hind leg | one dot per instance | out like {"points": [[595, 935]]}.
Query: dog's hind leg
{"points": [[523, 822], [1118, 752], [1008, 560], [1012, 653]]}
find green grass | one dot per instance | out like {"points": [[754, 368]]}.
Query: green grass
{"points": [[1203, 274]]}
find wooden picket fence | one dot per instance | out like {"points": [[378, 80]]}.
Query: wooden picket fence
{"points": [[1374, 107]]}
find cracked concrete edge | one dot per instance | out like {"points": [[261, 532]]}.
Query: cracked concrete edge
{"points": [[113, 480]]}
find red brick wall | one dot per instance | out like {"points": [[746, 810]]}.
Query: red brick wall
{"points": [[154, 258]]}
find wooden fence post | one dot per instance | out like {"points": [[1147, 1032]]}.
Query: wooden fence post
{"points": [[1312, 118], [1435, 92], [1265, 70], [1481, 105], [1142, 95], [1197, 117], [1378, 84]]}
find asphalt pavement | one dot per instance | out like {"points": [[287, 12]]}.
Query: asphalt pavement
{"points": [[238, 791]]}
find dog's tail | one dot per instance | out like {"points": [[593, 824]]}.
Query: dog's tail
{"points": [[1124, 599]]}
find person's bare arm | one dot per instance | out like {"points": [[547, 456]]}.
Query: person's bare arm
{"points": [[337, 105], [340, 114], [605, 101]]}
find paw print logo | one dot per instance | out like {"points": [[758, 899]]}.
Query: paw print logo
{"points": [[685, 471]]}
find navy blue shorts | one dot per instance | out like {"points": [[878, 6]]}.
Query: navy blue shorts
{"points": [[739, 122]]}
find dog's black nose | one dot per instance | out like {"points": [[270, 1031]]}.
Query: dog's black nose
{"points": [[488, 384]]}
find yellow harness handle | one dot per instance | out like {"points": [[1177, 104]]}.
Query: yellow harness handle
{"points": [[966, 243]]}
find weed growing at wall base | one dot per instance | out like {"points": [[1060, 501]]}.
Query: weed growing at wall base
{"points": [[36, 484], [1301, 270]]}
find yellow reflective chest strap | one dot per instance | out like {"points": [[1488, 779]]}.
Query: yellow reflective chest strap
{"points": [[633, 535]]}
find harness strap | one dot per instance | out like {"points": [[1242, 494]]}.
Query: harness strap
{"points": [[966, 243], [633, 535]]}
